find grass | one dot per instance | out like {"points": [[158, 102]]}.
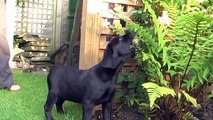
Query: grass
{"points": [[27, 104]]}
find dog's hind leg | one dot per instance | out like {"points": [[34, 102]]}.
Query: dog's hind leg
{"points": [[51, 99], [107, 111], [59, 105], [87, 111]]}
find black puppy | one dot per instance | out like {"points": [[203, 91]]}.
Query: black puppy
{"points": [[89, 87]]}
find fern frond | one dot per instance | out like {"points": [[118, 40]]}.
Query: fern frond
{"points": [[188, 116], [190, 98], [155, 91], [191, 43]]}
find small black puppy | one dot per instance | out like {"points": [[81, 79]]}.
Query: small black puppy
{"points": [[89, 87]]}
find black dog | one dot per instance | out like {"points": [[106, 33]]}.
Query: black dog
{"points": [[89, 87]]}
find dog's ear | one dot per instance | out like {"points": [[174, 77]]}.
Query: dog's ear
{"points": [[109, 61]]}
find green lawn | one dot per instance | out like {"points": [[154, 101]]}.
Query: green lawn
{"points": [[27, 104]]}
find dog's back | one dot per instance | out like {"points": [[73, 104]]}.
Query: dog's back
{"points": [[75, 85], [66, 83]]}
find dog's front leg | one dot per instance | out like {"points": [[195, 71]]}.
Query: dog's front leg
{"points": [[87, 111], [107, 111]]}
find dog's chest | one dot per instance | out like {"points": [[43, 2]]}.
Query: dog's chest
{"points": [[105, 95]]}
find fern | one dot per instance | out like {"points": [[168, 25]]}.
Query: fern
{"points": [[190, 99], [188, 116], [151, 46], [155, 91], [182, 50], [191, 49]]}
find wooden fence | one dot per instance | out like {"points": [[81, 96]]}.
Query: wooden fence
{"points": [[95, 28]]}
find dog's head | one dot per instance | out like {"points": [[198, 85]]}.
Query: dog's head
{"points": [[118, 50]]}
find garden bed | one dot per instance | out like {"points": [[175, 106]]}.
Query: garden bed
{"points": [[128, 113]]}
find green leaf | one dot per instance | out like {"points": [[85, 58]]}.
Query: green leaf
{"points": [[200, 77], [206, 73], [144, 106], [165, 56], [171, 72], [120, 79], [155, 91], [179, 97], [145, 56], [190, 98]]}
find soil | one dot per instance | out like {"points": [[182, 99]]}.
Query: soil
{"points": [[205, 112], [125, 114], [128, 114]]}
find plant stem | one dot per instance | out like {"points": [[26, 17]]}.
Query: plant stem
{"points": [[191, 55]]}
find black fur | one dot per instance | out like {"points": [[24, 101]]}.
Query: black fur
{"points": [[90, 87]]}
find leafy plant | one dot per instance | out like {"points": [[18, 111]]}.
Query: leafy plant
{"points": [[141, 17], [118, 29], [176, 52], [155, 91], [129, 91]]}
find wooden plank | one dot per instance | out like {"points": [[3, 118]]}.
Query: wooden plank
{"points": [[57, 20], [125, 2], [89, 49], [39, 43], [100, 55], [31, 37], [32, 48], [35, 54], [130, 8], [103, 43], [111, 16], [90, 35], [106, 31], [39, 59], [45, 63], [83, 35]]}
